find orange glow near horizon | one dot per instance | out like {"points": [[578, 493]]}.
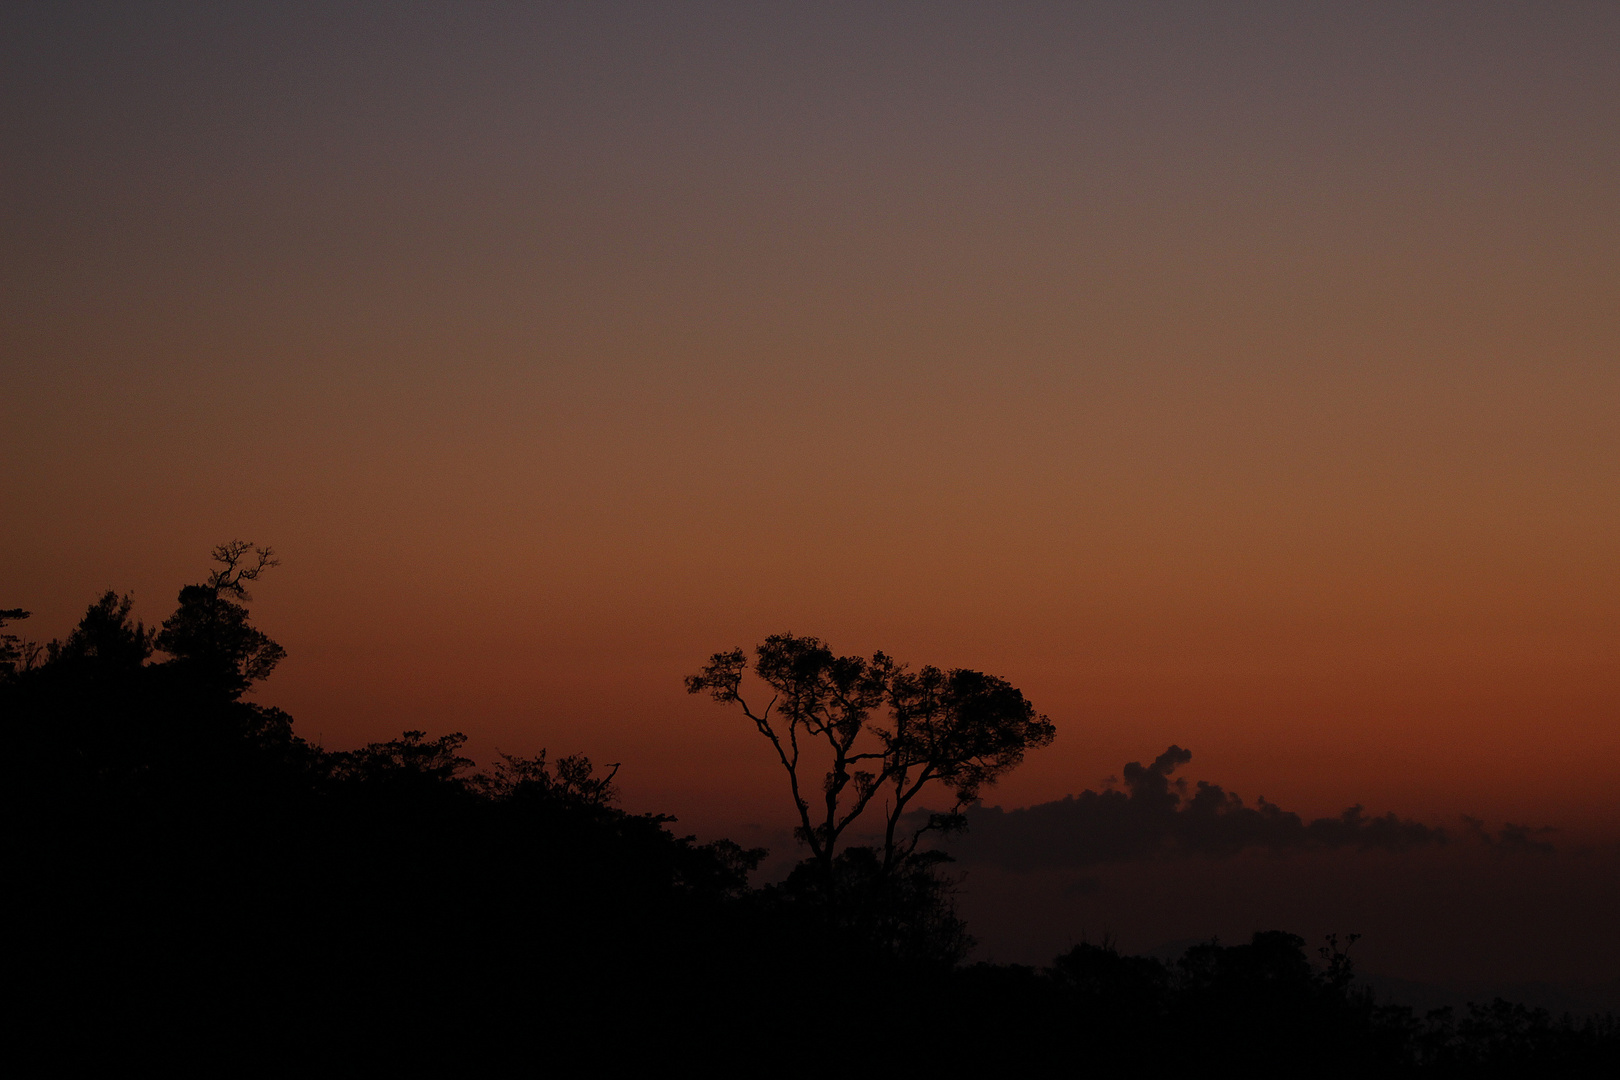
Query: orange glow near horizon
{"points": [[1247, 384]]}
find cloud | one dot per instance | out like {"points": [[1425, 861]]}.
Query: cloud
{"points": [[1157, 816]]}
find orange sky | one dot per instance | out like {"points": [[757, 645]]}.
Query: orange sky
{"points": [[1243, 379]]}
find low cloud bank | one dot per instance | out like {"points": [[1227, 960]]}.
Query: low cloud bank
{"points": [[1155, 815], [1511, 837]]}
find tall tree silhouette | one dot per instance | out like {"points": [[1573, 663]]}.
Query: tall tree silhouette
{"points": [[961, 729], [210, 633]]}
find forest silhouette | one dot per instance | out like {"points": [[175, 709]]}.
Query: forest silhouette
{"points": [[195, 886]]}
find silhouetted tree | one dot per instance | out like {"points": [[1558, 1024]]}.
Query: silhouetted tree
{"points": [[15, 651], [1122, 989], [962, 729], [411, 759], [210, 632], [105, 638], [570, 780]]}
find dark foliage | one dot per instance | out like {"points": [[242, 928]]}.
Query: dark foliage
{"points": [[1264, 1008], [961, 730], [191, 878], [906, 913], [194, 888], [15, 651]]}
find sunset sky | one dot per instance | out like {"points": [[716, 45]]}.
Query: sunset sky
{"points": [[1242, 376]]}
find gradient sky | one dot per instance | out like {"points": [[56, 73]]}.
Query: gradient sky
{"points": [[1242, 376]]}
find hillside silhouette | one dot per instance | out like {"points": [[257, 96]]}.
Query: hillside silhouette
{"points": [[198, 888]]}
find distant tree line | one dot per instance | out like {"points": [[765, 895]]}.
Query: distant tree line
{"points": [[194, 887]]}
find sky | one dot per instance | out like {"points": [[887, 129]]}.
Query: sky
{"points": [[1235, 376]]}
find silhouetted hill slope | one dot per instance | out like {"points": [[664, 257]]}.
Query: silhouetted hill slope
{"points": [[195, 888]]}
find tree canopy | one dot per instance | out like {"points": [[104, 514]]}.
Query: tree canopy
{"points": [[211, 632], [882, 734]]}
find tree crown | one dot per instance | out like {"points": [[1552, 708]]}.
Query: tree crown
{"points": [[961, 728]]}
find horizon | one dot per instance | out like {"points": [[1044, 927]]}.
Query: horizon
{"points": [[1239, 379]]}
